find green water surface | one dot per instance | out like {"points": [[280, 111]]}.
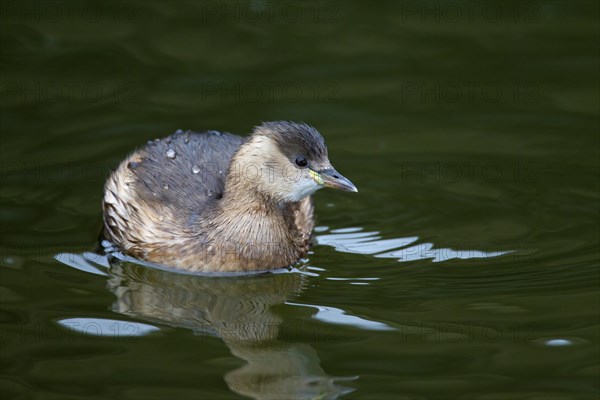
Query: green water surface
{"points": [[467, 266]]}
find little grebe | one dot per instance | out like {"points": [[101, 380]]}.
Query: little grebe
{"points": [[217, 202]]}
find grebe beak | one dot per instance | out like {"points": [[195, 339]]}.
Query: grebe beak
{"points": [[331, 178]]}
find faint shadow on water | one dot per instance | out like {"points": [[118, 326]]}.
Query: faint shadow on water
{"points": [[238, 309]]}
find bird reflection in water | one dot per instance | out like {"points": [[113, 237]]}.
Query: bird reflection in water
{"points": [[239, 311]]}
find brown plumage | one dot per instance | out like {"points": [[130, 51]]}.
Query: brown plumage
{"points": [[215, 201]]}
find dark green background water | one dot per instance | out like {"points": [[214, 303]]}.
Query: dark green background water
{"points": [[466, 267]]}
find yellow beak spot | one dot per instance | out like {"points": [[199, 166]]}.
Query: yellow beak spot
{"points": [[316, 177]]}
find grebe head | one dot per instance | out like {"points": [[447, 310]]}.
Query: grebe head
{"points": [[288, 161]]}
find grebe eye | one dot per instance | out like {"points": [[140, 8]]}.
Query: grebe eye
{"points": [[301, 161]]}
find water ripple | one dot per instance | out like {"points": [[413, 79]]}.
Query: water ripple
{"points": [[107, 327], [337, 316], [354, 240]]}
